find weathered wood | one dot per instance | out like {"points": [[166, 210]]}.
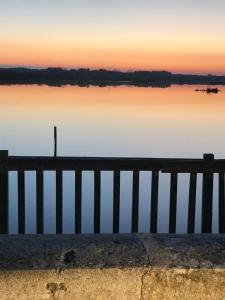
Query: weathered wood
{"points": [[59, 204], [173, 203], [39, 202], [116, 201], [221, 203], [80, 163], [154, 202], [78, 199], [21, 202], [168, 165], [135, 201], [97, 201], [192, 203], [207, 198], [4, 197], [4, 155]]}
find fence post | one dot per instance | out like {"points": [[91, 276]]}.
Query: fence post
{"points": [[3, 193], [55, 141], [207, 197]]}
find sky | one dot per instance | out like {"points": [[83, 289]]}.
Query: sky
{"points": [[185, 36]]}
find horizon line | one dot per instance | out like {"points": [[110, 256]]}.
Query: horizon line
{"points": [[5, 66]]}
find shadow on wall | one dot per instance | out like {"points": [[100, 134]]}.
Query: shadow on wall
{"points": [[59, 252]]}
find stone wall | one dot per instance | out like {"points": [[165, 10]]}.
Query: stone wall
{"points": [[124, 266]]}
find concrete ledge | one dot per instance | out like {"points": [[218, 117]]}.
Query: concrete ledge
{"points": [[125, 266]]}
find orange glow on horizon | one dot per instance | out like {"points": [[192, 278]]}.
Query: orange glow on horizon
{"points": [[177, 36], [120, 59]]}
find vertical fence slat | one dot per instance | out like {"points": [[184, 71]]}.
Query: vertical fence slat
{"points": [[4, 205], [55, 141], [39, 202], [192, 203], [78, 199], [21, 202], [116, 201], [4, 198], [173, 203], [97, 201], [207, 198], [135, 201], [59, 207], [154, 201], [221, 203]]}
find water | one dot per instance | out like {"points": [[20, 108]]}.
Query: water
{"points": [[111, 121]]}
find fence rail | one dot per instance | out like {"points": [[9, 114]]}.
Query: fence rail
{"points": [[208, 166]]}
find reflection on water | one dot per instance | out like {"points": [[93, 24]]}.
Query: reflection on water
{"points": [[111, 121]]}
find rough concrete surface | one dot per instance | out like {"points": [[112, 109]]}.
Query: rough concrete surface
{"points": [[123, 266]]}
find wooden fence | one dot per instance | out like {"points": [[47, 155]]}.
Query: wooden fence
{"points": [[208, 166]]}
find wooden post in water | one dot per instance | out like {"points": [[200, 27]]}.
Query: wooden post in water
{"points": [[4, 204], [55, 141], [207, 197]]}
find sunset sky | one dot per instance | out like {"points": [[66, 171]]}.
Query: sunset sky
{"points": [[176, 35]]}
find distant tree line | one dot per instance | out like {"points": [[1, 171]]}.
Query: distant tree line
{"points": [[26, 75]]}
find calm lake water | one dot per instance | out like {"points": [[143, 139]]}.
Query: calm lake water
{"points": [[111, 121]]}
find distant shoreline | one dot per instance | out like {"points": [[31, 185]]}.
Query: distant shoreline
{"points": [[87, 77], [90, 83]]}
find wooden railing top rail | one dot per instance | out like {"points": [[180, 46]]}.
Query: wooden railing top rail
{"points": [[167, 165]]}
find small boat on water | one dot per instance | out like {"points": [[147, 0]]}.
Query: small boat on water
{"points": [[209, 90]]}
